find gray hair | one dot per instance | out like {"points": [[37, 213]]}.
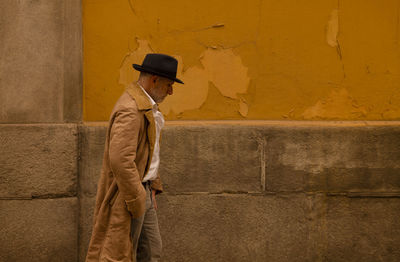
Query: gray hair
{"points": [[144, 75]]}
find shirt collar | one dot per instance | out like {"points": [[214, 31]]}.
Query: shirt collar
{"points": [[153, 104]]}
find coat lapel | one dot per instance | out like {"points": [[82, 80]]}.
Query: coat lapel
{"points": [[140, 97], [144, 104]]}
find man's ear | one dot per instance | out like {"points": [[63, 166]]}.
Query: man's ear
{"points": [[154, 78]]}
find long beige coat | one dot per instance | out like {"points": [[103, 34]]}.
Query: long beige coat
{"points": [[120, 194]]}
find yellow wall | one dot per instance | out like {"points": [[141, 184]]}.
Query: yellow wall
{"points": [[254, 59]]}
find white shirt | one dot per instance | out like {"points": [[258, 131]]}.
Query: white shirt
{"points": [[159, 121]]}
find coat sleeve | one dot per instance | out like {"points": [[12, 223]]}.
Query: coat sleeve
{"points": [[124, 137]]}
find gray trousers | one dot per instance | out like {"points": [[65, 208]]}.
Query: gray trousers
{"points": [[145, 234]]}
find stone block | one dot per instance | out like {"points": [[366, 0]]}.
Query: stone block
{"points": [[86, 211], [38, 160], [233, 227], [333, 159], [92, 141], [362, 229], [39, 230], [210, 159]]}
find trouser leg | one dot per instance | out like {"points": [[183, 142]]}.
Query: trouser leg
{"points": [[145, 234], [150, 244], [136, 228]]}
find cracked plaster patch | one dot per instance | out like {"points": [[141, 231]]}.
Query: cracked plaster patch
{"points": [[126, 72], [219, 66], [226, 71]]}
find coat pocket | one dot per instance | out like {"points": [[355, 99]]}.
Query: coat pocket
{"points": [[137, 206]]}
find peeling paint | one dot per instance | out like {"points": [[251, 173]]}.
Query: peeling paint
{"points": [[290, 64], [126, 73], [338, 105], [189, 96], [219, 66], [226, 71], [333, 29], [243, 107]]}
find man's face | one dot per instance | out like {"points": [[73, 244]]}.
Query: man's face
{"points": [[161, 88]]}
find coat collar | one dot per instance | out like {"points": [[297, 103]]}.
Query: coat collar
{"points": [[143, 103], [142, 100]]}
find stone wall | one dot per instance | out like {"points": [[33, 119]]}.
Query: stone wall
{"points": [[40, 108], [271, 191], [265, 191], [38, 192]]}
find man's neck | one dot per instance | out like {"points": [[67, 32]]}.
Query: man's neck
{"points": [[147, 94]]}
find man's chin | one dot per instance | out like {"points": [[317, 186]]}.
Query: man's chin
{"points": [[160, 100]]}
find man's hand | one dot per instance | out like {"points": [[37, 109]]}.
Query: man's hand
{"points": [[153, 196]]}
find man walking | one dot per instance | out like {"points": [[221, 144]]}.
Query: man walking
{"points": [[125, 226]]}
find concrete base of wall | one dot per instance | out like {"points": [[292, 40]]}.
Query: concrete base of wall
{"points": [[269, 191]]}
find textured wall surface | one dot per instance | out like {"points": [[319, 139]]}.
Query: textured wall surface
{"points": [[239, 191], [40, 68], [40, 90], [269, 191], [38, 192], [250, 59], [38, 160], [39, 230]]}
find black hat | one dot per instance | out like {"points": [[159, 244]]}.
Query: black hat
{"points": [[159, 64]]}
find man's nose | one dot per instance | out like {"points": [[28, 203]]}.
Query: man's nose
{"points": [[170, 91]]}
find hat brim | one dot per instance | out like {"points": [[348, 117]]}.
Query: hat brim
{"points": [[148, 70]]}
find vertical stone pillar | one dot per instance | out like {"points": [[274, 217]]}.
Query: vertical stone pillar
{"points": [[40, 108]]}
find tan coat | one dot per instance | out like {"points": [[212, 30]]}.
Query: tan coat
{"points": [[120, 196]]}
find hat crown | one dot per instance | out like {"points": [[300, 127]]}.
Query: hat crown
{"points": [[161, 63]]}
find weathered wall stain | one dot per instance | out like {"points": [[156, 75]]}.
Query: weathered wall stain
{"points": [[250, 60]]}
